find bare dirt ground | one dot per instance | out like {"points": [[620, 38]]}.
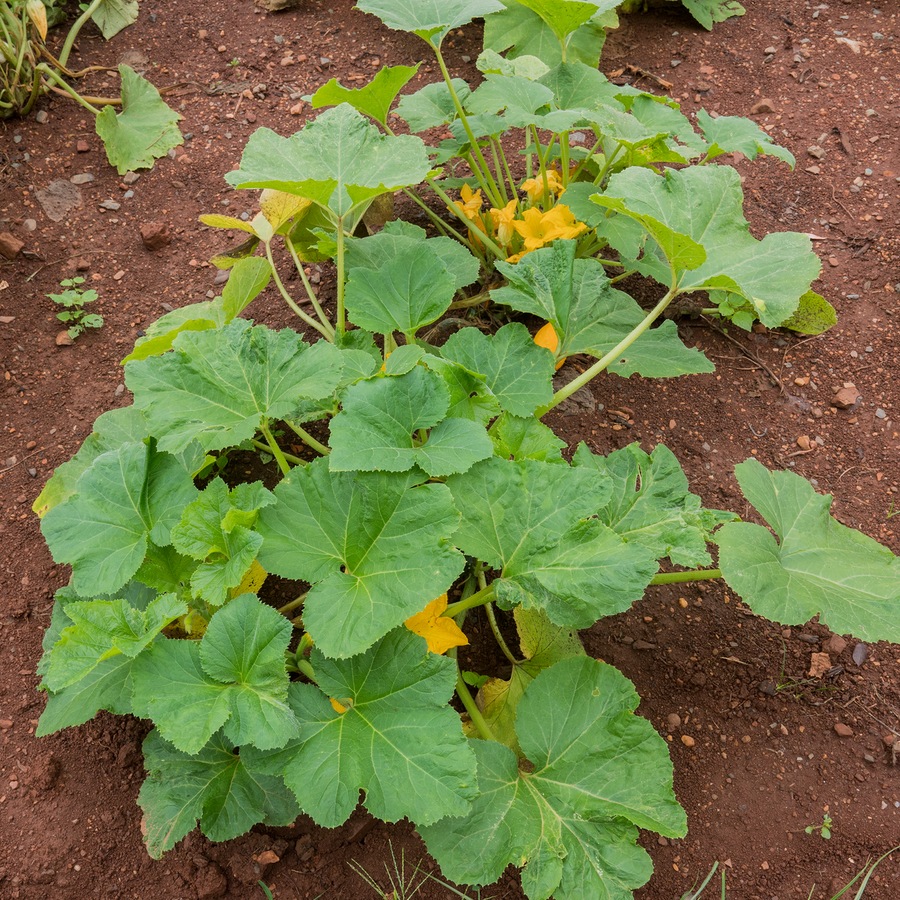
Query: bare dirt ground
{"points": [[754, 740]]}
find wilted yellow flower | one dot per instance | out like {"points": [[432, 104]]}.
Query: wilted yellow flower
{"points": [[440, 631], [504, 220], [540, 228]]}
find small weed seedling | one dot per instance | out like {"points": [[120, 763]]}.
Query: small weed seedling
{"points": [[824, 829], [73, 298], [401, 888]]}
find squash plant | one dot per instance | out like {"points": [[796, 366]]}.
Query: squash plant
{"points": [[438, 489]]}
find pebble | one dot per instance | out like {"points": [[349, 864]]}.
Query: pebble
{"points": [[860, 653], [767, 687], [30, 225], [842, 730], [887, 739], [687, 740], [120, 389], [111, 205], [813, 170], [816, 152], [324, 62], [769, 50], [845, 397], [131, 177], [675, 63], [82, 147], [674, 720], [764, 106], [836, 644], [119, 275], [222, 276], [880, 413], [6, 724], [466, 58], [63, 339], [128, 195], [643, 645], [41, 116], [83, 178]]}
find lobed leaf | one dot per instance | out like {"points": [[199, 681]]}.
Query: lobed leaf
{"points": [[374, 99], [429, 19], [817, 566], [398, 739], [374, 547], [432, 105]]}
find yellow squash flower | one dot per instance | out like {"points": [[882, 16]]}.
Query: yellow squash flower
{"points": [[534, 187], [504, 221], [540, 228], [440, 631], [471, 202]]}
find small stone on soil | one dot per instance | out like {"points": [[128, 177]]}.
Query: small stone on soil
{"points": [[10, 246], [842, 730], [83, 178], [687, 740], [845, 397], [63, 339]]}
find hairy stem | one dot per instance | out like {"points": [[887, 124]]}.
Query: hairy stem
{"points": [[276, 450], [602, 363], [307, 438], [308, 287], [67, 88], [462, 691], [304, 666], [327, 334], [680, 577], [477, 599], [75, 29], [295, 460], [341, 324], [294, 604], [492, 619], [453, 208]]}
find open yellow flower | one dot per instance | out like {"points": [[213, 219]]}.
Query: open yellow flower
{"points": [[471, 202], [504, 221], [440, 631], [534, 187], [540, 228]]}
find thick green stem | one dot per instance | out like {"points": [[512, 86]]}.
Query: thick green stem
{"points": [[46, 70], [76, 27], [273, 446], [288, 607], [564, 157], [681, 577], [498, 171], [308, 287], [609, 161], [623, 275], [540, 157], [602, 363], [584, 162], [492, 619], [304, 666], [472, 709], [453, 208], [439, 223], [465, 121], [327, 334], [477, 599], [509, 178], [307, 438], [482, 183], [341, 324], [295, 460]]}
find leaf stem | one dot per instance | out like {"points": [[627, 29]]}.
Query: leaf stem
{"points": [[472, 709], [276, 450], [76, 27], [477, 599], [327, 334], [439, 222], [454, 209], [492, 619], [291, 459], [309, 288], [304, 666], [680, 577], [604, 361], [46, 70], [509, 177], [341, 324], [294, 604], [307, 438]]}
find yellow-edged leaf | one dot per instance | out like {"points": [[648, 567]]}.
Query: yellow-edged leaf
{"points": [[214, 220], [252, 581]]}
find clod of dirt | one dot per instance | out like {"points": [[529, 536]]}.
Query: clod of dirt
{"points": [[210, 882], [767, 687], [842, 730], [845, 397], [275, 5], [836, 644], [674, 721], [155, 235], [10, 246], [764, 106], [59, 198], [819, 664], [63, 339]]}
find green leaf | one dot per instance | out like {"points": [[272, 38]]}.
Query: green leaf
{"points": [[338, 161], [814, 315], [213, 786], [695, 217], [166, 570], [527, 519], [470, 397], [145, 130], [111, 16], [127, 496], [374, 547], [403, 359], [106, 628], [518, 372], [593, 767], [385, 744], [249, 278], [706, 12], [577, 85], [651, 504], [543, 644], [379, 249], [429, 19], [590, 316], [528, 438], [432, 105], [490, 62], [536, 27], [161, 334], [499, 92], [218, 385], [379, 425], [413, 289], [374, 99], [816, 567], [216, 530], [235, 677], [728, 134]]}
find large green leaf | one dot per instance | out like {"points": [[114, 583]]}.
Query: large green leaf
{"points": [[338, 160], [499, 92], [543, 644], [216, 529], [726, 134], [525, 438], [695, 217], [218, 385], [518, 372], [377, 251], [706, 12], [161, 334], [576, 85], [652, 505], [111, 16], [590, 316], [432, 105], [592, 768], [127, 496], [536, 28], [374, 99], [816, 566], [212, 786], [398, 740], [527, 519], [429, 19], [102, 629], [249, 278], [235, 677], [410, 290], [145, 130], [382, 419], [374, 547]]}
